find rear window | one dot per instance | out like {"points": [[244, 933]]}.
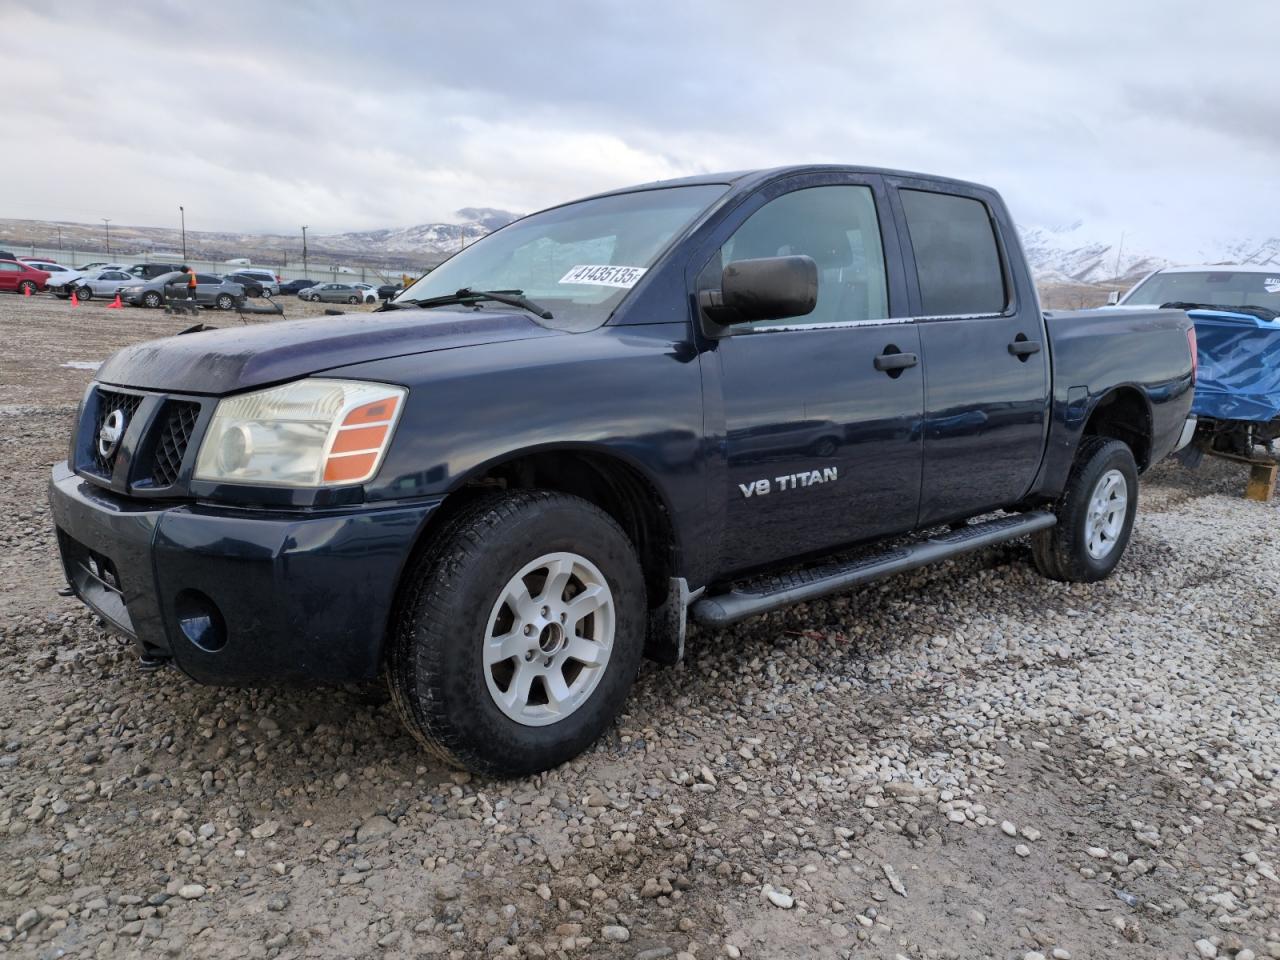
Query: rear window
{"points": [[957, 259]]}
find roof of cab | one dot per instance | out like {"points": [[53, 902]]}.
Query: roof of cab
{"points": [[749, 179]]}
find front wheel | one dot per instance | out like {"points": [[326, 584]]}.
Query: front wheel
{"points": [[315, 298], [151, 299], [84, 293], [519, 633], [1095, 515]]}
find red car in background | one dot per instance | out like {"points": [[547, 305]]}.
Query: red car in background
{"points": [[20, 278]]}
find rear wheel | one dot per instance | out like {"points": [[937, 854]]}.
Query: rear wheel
{"points": [[1095, 515], [353, 299], [224, 301], [26, 287], [519, 634]]}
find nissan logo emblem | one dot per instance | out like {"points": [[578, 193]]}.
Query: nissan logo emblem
{"points": [[110, 434]]}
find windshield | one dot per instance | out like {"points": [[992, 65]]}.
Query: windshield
{"points": [[1225, 288], [578, 261]]}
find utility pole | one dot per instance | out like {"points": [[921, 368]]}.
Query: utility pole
{"points": [[305, 272], [106, 225], [1119, 250], [183, 214]]}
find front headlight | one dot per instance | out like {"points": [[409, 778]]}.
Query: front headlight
{"points": [[309, 433]]}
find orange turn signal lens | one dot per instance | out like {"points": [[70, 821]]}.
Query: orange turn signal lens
{"points": [[360, 441]]}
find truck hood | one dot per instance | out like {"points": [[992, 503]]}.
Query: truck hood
{"points": [[237, 358]]}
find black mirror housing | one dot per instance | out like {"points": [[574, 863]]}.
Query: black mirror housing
{"points": [[769, 288]]}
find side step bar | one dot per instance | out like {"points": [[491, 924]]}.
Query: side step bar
{"points": [[771, 591]]}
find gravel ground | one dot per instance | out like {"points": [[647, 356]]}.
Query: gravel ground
{"points": [[969, 761]]}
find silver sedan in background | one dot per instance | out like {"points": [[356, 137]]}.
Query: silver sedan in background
{"points": [[102, 283], [333, 293], [211, 291]]}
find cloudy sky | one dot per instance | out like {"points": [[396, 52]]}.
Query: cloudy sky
{"points": [[1156, 117]]}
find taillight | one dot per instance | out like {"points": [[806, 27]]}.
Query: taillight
{"points": [[1195, 359]]}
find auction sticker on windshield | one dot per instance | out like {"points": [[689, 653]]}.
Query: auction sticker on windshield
{"points": [[604, 276]]}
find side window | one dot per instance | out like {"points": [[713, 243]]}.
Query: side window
{"points": [[836, 226], [10, 267], [957, 259]]}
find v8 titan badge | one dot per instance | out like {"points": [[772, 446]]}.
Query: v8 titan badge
{"points": [[111, 434]]}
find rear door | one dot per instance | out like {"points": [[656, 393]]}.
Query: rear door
{"points": [[822, 448], [10, 274], [984, 348]]}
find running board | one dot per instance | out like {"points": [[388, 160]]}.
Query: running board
{"points": [[771, 591]]}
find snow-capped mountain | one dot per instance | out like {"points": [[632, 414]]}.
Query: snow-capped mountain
{"points": [[432, 238], [1072, 254]]}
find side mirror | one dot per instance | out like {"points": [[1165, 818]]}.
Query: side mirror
{"points": [[1113, 298], [770, 288]]}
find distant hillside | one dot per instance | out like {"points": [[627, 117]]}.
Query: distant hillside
{"points": [[1066, 255], [399, 248], [1071, 254]]}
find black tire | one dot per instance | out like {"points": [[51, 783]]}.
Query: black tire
{"points": [[152, 299], [224, 301], [353, 299], [1062, 551], [315, 298], [26, 285], [435, 668], [84, 293]]}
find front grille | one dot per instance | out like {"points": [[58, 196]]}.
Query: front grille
{"points": [[177, 423], [109, 400]]}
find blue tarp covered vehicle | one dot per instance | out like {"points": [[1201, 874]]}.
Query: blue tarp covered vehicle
{"points": [[1239, 375], [1236, 310]]}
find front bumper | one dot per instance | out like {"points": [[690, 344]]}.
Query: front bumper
{"points": [[233, 596]]}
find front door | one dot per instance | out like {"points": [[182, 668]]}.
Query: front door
{"points": [[822, 433], [987, 389]]}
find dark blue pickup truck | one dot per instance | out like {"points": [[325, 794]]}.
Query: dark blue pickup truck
{"points": [[702, 398]]}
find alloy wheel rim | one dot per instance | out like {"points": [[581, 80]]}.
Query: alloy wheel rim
{"points": [[1108, 505], [548, 639]]}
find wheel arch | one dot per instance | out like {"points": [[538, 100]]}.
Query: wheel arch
{"points": [[1123, 413], [607, 478]]}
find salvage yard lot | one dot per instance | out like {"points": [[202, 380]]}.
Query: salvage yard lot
{"points": [[969, 761]]}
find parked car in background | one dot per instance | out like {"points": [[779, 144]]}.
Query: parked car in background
{"points": [[268, 279], [389, 290], [211, 291], [21, 277], [147, 271], [333, 293], [6, 255], [252, 285], [62, 280], [103, 283], [293, 287], [1208, 287], [370, 291]]}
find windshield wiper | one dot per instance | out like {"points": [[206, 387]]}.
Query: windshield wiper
{"points": [[513, 298], [1248, 309]]}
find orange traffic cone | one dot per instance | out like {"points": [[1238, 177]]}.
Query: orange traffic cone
{"points": [[116, 304], [26, 291], [75, 301]]}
